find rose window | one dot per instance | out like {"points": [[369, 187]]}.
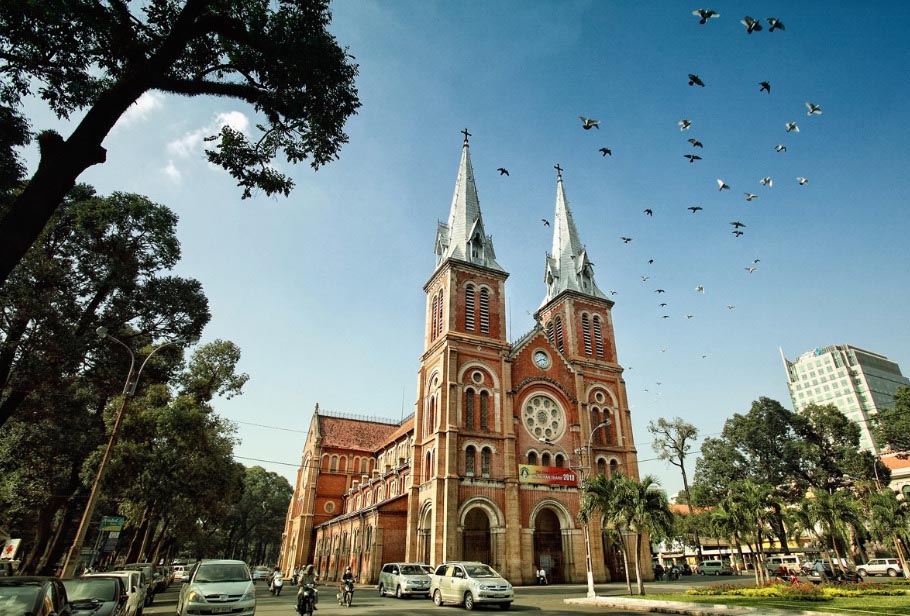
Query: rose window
{"points": [[543, 418]]}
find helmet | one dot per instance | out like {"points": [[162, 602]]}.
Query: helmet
{"points": [[348, 568]]}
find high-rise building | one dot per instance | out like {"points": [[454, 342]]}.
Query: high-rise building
{"points": [[859, 383]]}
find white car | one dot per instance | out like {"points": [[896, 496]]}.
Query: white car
{"points": [[135, 589], [218, 587], [470, 583], [404, 580], [880, 566]]}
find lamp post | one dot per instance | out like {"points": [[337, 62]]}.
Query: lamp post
{"points": [[129, 389], [581, 470]]}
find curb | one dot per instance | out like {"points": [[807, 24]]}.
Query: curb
{"points": [[692, 609]]}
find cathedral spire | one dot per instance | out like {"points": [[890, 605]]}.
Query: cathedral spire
{"points": [[463, 238], [567, 266]]}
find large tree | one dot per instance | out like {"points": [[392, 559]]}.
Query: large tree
{"points": [[100, 56], [891, 427], [672, 443]]}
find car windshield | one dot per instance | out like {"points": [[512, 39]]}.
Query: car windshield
{"points": [[427, 569], [227, 572], [412, 570], [18, 597], [480, 571], [88, 588]]}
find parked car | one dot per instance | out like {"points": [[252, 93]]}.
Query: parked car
{"points": [[404, 580], [97, 596], [148, 573], [135, 589], [180, 571], [880, 566], [790, 563], [218, 587], [262, 574], [843, 574], [35, 595], [470, 583], [714, 567]]}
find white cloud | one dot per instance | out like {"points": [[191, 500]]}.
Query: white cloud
{"points": [[139, 110], [192, 142], [171, 171]]}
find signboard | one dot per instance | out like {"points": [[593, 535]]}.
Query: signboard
{"points": [[547, 475], [111, 522], [9, 549]]}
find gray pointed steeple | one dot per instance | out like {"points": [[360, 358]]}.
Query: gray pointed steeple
{"points": [[568, 267], [464, 238]]}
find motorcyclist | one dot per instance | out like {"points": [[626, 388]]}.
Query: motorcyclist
{"points": [[277, 580], [308, 576], [347, 576]]}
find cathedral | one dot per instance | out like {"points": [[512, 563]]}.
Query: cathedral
{"points": [[489, 466]]}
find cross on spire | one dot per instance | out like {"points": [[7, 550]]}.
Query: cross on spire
{"points": [[558, 171], [466, 135]]}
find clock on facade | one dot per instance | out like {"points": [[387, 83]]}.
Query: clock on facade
{"points": [[541, 359]]}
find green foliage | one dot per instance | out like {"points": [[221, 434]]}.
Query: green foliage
{"points": [[792, 592], [891, 427]]}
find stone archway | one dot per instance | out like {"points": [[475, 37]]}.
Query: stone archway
{"points": [[425, 535], [475, 541], [548, 548]]}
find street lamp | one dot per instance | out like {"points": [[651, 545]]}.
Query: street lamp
{"points": [[581, 470], [129, 389]]}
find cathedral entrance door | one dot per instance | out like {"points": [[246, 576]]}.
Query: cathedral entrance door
{"points": [[548, 551], [476, 536]]}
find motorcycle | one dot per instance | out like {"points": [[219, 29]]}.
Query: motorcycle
{"points": [[306, 599], [276, 585], [674, 573], [346, 596]]}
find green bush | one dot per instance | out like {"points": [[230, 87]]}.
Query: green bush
{"points": [[792, 592]]}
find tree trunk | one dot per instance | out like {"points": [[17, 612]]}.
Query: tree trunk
{"points": [[639, 582], [42, 533]]}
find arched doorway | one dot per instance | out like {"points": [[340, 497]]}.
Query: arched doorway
{"points": [[476, 536], [424, 535], [548, 552]]}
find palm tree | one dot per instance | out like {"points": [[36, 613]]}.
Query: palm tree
{"points": [[602, 494], [889, 520], [746, 511]]}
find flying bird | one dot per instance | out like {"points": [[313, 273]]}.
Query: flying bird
{"points": [[792, 127], [613, 291], [737, 232], [659, 291], [695, 80], [666, 316], [737, 224], [721, 185], [705, 14], [751, 269], [802, 181], [588, 123], [695, 143], [626, 240], [780, 147], [730, 306], [689, 316], [767, 182], [776, 24], [750, 24], [695, 208], [650, 261], [813, 109], [662, 304], [649, 212], [750, 196], [700, 288], [545, 222], [756, 261], [605, 152], [692, 157], [645, 278], [765, 86], [503, 171]]}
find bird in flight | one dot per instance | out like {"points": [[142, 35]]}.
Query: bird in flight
{"points": [[802, 181], [545, 222], [765, 86], [684, 124], [756, 261], [767, 182], [750, 196], [751, 269], [650, 261], [737, 224], [666, 316], [689, 316], [730, 306], [645, 278], [705, 14], [613, 291], [588, 123], [695, 143], [695, 80], [776, 24], [662, 304], [813, 109], [780, 147], [659, 291], [700, 288], [692, 157], [695, 208], [792, 127], [737, 232], [750, 24], [649, 212], [626, 240], [503, 171], [605, 152], [721, 185]]}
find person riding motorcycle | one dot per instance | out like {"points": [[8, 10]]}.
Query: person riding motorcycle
{"points": [[347, 576], [308, 577], [276, 581]]}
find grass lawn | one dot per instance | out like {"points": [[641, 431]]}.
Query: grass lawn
{"points": [[838, 605]]}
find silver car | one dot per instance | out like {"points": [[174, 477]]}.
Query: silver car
{"points": [[218, 587], [471, 583], [135, 590], [404, 580], [880, 566]]}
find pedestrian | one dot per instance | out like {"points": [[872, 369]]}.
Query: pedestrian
{"points": [[820, 570]]}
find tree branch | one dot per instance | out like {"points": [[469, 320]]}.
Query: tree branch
{"points": [[192, 87]]}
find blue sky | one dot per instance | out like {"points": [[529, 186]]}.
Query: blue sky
{"points": [[323, 290]]}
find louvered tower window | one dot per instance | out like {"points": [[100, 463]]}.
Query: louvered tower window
{"points": [[469, 409], [598, 339], [484, 410], [586, 333], [484, 311], [433, 318], [559, 334], [439, 313], [550, 332], [469, 307]]}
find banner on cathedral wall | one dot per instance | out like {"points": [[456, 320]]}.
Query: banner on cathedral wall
{"points": [[547, 475]]}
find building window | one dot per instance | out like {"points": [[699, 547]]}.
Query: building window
{"points": [[598, 338], [486, 456], [333, 464], [550, 332], [484, 311], [559, 334], [532, 458], [439, 314], [434, 322], [469, 461], [484, 410], [613, 465], [545, 459], [601, 467], [559, 461], [469, 409], [586, 334], [469, 307], [595, 421]]}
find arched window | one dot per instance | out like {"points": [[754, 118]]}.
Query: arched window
{"points": [[550, 332], [486, 456], [559, 460], [601, 467], [545, 459], [586, 334], [484, 410], [469, 409], [431, 417], [484, 311], [428, 466], [434, 319], [343, 464], [469, 308], [613, 466], [532, 458], [333, 465], [469, 461], [595, 421], [439, 321], [559, 334], [598, 338], [368, 544], [380, 494], [607, 431]]}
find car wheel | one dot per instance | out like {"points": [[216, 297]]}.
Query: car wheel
{"points": [[398, 592], [861, 572], [437, 598], [892, 572], [468, 601], [381, 590]]}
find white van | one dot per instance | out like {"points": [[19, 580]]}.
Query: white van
{"points": [[714, 567], [791, 563]]}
